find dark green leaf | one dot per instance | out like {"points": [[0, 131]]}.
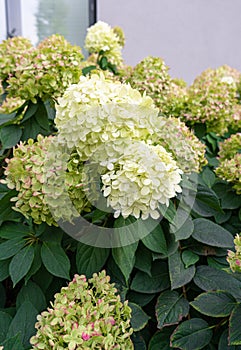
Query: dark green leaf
{"points": [[36, 264], [2, 296], [206, 203], [4, 269], [223, 342], [208, 177], [31, 292], [156, 241], [11, 230], [43, 278], [32, 127], [49, 105], [90, 259], [30, 111], [220, 218], [125, 258], [23, 322], [138, 341], [7, 213], [140, 298], [161, 340], [158, 282], [55, 260], [168, 212], [10, 135], [208, 278], [21, 263], [183, 232], [234, 326], [218, 262], [189, 258], [179, 275], [228, 197], [11, 247], [171, 308], [87, 70], [13, 343], [138, 317], [214, 303], [5, 320], [143, 259], [193, 334], [7, 118], [208, 232]]}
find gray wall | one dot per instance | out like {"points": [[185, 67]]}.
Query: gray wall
{"points": [[190, 35]]}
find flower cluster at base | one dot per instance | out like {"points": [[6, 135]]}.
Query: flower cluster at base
{"points": [[87, 314], [229, 168], [102, 38], [234, 258]]}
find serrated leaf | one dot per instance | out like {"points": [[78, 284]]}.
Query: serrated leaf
{"points": [[158, 281], [206, 231], [5, 320], [23, 323], [170, 308], [234, 326], [31, 292], [192, 334], [11, 247], [139, 318], [214, 303], [90, 259], [55, 259], [156, 241], [21, 263], [208, 278], [125, 258], [179, 275], [189, 258]]}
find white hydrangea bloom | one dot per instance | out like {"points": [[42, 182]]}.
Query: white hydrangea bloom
{"points": [[101, 37], [97, 111], [144, 177]]}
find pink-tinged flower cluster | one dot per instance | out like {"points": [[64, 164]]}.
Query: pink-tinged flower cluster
{"points": [[151, 76], [42, 72], [87, 314], [234, 258], [229, 168], [212, 99]]}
